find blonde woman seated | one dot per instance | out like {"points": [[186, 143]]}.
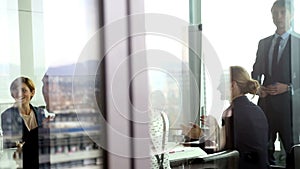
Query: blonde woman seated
{"points": [[244, 125]]}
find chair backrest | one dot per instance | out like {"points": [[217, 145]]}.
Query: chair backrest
{"points": [[293, 159], [297, 155]]}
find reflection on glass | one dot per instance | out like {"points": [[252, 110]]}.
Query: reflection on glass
{"points": [[69, 92], [50, 58], [296, 16], [10, 47], [159, 130]]}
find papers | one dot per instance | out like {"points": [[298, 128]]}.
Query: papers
{"points": [[180, 152]]}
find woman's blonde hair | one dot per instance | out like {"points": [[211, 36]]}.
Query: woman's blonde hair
{"points": [[243, 80]]}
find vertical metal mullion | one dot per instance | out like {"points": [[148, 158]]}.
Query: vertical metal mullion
{"points": [[130, 66], [102, 75]]}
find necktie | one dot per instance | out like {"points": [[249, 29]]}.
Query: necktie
{"points": [[275, 55]]}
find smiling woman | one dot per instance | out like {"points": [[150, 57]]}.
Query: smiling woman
{"points": [[22, 122], [22, 90]]}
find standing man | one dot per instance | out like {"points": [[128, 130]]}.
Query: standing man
{"points": [[273, 70]]}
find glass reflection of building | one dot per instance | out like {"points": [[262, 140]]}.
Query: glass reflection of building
{"points": [[76, 128], [60, 34]]}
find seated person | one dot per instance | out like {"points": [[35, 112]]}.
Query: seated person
{"points": [[244, 125], [159, 131]]}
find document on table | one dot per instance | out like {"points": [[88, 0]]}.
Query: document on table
{"points": [[179, 152]]}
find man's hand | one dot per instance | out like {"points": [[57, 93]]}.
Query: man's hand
{"points": [[277, 88], [46, 120]]}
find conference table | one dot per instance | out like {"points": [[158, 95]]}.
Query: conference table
{"points": [[180, 156], [194, 157]]}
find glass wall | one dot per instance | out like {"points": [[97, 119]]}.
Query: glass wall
{"points": [[10, 55], [235, 32], [168, 55], [295, 62], [229, 37], [53, 48], [45, 41]]}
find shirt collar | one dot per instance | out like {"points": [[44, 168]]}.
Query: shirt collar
{"points": [[283, 36]]}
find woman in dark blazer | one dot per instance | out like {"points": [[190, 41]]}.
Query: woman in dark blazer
{"points": [[250, 126], [244, 124], [23, 123]]}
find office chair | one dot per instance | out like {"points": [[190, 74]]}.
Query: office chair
{"points": [[293, 159]]}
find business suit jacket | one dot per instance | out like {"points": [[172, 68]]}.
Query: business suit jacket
{"points": [[287, 72], [250, 134], [14, 128]]}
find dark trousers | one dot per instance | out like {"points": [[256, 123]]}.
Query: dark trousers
{"points": [[279, 122]]}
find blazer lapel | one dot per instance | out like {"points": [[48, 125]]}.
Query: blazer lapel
{"points": [[268, 44]]}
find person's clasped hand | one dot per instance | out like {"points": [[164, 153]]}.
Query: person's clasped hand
{"points": [[19, 149], [262, 91], [19, 146], [277, 88]]}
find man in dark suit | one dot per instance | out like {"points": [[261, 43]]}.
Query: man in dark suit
{"points": [[275, 67]]}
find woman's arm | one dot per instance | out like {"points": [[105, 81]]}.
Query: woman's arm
{"points": [[215, 134]]}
